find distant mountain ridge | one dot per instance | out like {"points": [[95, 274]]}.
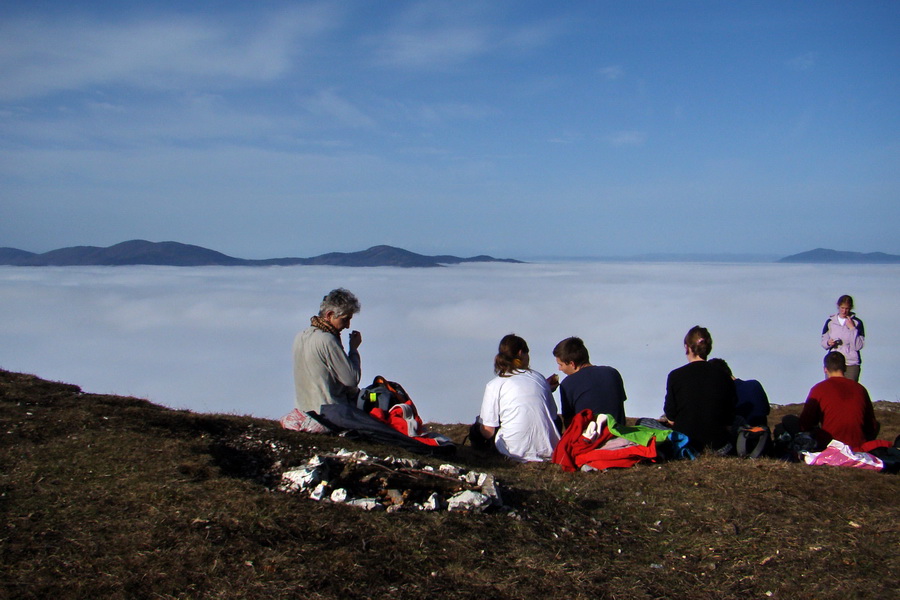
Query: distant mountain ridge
{"points": [[142, 252], [827, 256], [176, 254]]}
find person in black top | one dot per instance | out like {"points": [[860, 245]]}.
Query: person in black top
{"points": [[700, 398]]}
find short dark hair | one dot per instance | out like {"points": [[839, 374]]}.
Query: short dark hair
{"points": [[720, 363], [835, 361], [572, 350]]}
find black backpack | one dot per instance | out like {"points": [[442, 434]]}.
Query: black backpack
{"points": [[381, 394], [752, 441]]}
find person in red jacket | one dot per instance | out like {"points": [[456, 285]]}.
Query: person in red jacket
{"points": [[839, 408]]}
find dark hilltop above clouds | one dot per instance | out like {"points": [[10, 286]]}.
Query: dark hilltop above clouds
{"points": [[175, 254], [826, 256], [141, 252]]}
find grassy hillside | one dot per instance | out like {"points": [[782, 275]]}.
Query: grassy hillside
{"points": [[111, 497]]}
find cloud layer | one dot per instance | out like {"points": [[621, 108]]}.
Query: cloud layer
{"points": [[219, 339]]}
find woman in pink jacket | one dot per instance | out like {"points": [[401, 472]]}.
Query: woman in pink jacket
{"points": [[844, 333]]}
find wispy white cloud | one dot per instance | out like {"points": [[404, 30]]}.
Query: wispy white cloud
{"points": [[627, 138], [43, 56], [532, 36], [436, 38], [107, 107], [803, 62], [194, 119], [441, 114], [612, 72], [330, 105], [432, 49], [566, 137]]}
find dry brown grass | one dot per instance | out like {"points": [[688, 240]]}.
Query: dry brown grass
{"points": [[109, 497]]}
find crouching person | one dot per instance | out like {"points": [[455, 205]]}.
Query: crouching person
{"points": [[323, 372], [518, 411]]}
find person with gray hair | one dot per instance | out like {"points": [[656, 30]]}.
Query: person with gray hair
{"points": [[323, 372]]}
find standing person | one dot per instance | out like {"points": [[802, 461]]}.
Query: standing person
{"points": [[598, 388], [844, 333], [518, 409], [323, 372], [752, 401], [700, 398], [839, 408]]}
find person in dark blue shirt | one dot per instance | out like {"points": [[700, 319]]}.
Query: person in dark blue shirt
{"points": [[752, 402], [598, 388]]}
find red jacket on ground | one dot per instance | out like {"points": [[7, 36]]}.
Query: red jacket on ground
{"points": [[574, 450]]}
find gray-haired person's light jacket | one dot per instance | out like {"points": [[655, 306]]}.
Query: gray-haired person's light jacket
{"points": [[323, 372]]}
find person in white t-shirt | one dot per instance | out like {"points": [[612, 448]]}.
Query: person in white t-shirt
{"points": [[518, 409]]}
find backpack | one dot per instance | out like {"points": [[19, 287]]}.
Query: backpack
{"points": [[381, 394], [790, 442], [752, 441], [388, 402]]}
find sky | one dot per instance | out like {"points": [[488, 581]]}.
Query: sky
{"points": [[514, 128], [219, 339]]}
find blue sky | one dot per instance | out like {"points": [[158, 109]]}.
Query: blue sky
{"points": [[513, 128]]}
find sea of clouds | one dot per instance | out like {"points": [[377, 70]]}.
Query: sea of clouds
{"points": [[218, 339]]}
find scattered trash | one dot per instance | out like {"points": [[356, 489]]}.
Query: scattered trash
{"points": [[319, 491], [433, 503], [366, 503], [392, 484], [451, 470], [469, 501], [301, 479]]}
